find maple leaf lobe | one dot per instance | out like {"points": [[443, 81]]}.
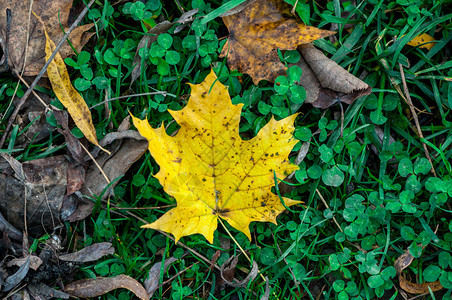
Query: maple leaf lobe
{"points": [[211, 172]]}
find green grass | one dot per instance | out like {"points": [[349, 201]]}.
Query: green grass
{"points": [[381, 193]]}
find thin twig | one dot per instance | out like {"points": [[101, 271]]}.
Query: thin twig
{"points": [[97, 165], [143, 208], [41, 73], [416, 120], [326, 205], [164, 93], [175, 276], [34, 93]]}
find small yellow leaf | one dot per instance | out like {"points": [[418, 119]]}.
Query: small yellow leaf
{"points": [[67, 94], [211, 172], [421, 41]]}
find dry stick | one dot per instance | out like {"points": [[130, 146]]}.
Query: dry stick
{"points": [[164, 93], [41, 73], [97, 165], [179, 243], [324, 203], [175, 276], [142, 208], [34, 93], [416, 120]]}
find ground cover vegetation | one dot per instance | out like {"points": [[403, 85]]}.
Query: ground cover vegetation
{"points": [[372, 211]]}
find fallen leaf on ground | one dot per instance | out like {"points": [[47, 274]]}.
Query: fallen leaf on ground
{"points": [[421, 41], [94, 287], [403, 262], [126, 148], [35, 262], [13, 280], [73, 145], [90, 253], [257, 31], [55, 13], [152, 282], [67, 94], [43, 291], [45, 182], [227, 272], [325, 81], [211, 171]]}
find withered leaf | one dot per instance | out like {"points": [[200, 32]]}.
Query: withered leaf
{"points": [[14, 279], [403, 262], [227, 272], [152, 282], [257, 31], [94, 287], [90, 253], [55, 14], [35, 262], [325, 81], [45, 181]]}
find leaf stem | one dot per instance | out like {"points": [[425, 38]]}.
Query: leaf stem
{"points": [[240, 247]]}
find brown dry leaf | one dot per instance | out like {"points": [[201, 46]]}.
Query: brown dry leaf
{"points": [[152, 282], [43, 291], [404, 262], [90, 253], [94, 287], [127, 147], [73, 145], [227, 272], [35, 262], [325, 81], [45, 182], [257, 31], [55, 13], [14, 279]]}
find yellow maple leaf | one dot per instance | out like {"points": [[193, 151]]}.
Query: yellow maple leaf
{"points": [[211, 172], [257, 31], [421, 41]]}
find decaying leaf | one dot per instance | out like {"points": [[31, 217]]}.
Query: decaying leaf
{"points": [[152, 282], [257, 31], [43, 188], [423, 41], [403, 262], [55, 14], [211, 171], [227, 272], [67, 94], [127, 147], [14, 279], [34, 261], [90, 253], [325, 81], [94, 287]]}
